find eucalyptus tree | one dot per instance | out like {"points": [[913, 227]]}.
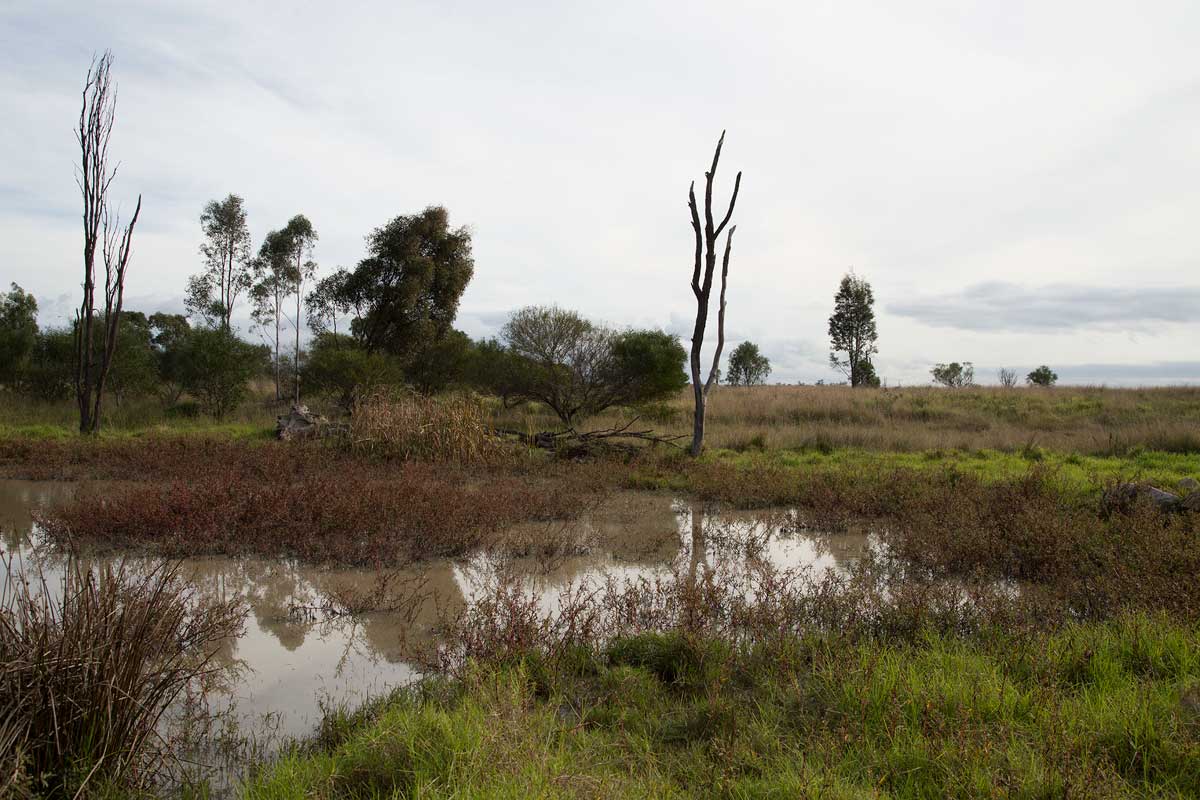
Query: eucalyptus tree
{"points": [[227, 273], [269, 291], [325, 303], [298, 240]]}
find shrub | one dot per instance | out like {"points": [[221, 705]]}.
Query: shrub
{"points": [[87, 671], [338, 365], [1042, 376], [216, 367]]}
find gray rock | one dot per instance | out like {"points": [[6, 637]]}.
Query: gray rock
{"points": [[1191, 503], [299, 423], [1189, 485], [1122, 496]]}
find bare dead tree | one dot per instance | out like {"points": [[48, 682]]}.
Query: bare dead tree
{"points": [[702, 280], [101, 226]]}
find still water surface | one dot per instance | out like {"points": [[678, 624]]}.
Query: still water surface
{"points": [[291, 659]]}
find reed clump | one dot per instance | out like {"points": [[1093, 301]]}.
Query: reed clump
{"points": [[88, 667], [408, 426]]}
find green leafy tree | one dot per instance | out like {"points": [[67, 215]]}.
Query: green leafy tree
{"points": [[217, 367], [212, 294], [648, 365], [577, 368], [272, 282], [954, 375], [18, 333], [298, 240], [324, 303], [747, 366], [1042, 376], [441, 365], [49, 372], [135, 364], [170, 335], [405, 293], [852, 330], [340, 366]]}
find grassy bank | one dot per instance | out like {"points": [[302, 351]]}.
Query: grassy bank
{"points": [[1095, 421], [1101, 710]]}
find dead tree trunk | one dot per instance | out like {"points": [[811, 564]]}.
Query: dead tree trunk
{"points": [[702, 279], [101, 226]]}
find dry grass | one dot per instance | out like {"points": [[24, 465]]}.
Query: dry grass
{"points": [[408, 426], [1085, 420], [88, 668]]}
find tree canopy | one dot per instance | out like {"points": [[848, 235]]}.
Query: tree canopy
{"points": [[577, 368], [212, 293], [747, 366], [954, 375], [852, 331], [18, 332], [405, 293], [1042, 376]]}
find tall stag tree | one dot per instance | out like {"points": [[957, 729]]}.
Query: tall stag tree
{"points": [[702, 280], [95, 349]]}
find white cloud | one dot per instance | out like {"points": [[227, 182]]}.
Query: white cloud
{"points": [[932, 146]]}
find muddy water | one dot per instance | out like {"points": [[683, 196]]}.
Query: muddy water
{"points": [[293, 656]]}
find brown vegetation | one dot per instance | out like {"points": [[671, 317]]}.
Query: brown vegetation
{"points": [[88, 668], [349, 513], [1084, 420]]}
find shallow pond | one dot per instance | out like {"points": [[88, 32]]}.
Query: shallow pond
{"points": [[295, 656]]}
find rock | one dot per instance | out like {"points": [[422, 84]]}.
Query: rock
{"points": [[1165, 500], [299, 423], [1191, 503], [1122, 496], [1189, 485]]}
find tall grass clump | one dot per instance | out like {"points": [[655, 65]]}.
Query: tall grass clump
{"points": [[415, 427], [89, 663]]}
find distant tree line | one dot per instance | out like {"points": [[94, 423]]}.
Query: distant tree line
{"points": [[388, 320]]}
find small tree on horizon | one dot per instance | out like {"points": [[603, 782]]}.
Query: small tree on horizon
{"points": [[954, 375], [1008, 377], [852, 331], [747, 366], [1042, 376]]}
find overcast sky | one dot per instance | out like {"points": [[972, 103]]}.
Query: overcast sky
{"points": [[1019, 181]]}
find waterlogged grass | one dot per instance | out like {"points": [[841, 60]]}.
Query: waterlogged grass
{"points": [[1072, 470], [1101, 710]]}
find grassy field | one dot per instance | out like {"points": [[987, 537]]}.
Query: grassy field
{"points": [[1094, 421], [1018, 636], [1081, 420], [1108, 710]]}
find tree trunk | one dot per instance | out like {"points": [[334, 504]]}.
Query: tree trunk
{"points": [[705, 263], [296, 357]]}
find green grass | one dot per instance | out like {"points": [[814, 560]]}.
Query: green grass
{"points": [[1074, 470], [1102, 710]]}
